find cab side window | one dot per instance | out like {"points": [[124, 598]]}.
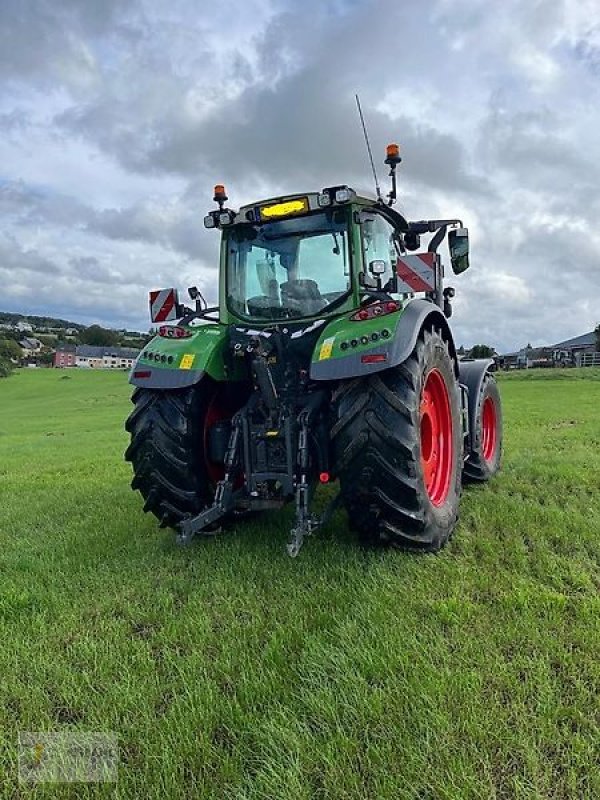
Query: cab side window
{"points": [[378, 243]]}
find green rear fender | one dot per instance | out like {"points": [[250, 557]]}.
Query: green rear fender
{"points": [[348, 349], [176, 363]]}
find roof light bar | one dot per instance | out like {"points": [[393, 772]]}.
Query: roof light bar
{"points": [[343, 195], [226, 217], [335, 194]]}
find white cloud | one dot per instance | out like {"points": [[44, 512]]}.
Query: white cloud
{"points": [[118, 117]]}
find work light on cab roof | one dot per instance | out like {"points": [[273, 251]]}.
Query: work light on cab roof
{"points": [[276, 209], [329, 340]]}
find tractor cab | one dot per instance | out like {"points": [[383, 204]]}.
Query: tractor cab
{"points": [[288, 268], [324, 253]]}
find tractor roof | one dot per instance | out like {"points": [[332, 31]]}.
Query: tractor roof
{"points": [[278, 207], [291, 205]]}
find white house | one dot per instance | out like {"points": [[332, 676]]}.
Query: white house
{"points": [[120, 358], [30, 346], [105, 357]]}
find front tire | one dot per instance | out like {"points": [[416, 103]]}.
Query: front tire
{"points": [[398, 448], [483, 460]]}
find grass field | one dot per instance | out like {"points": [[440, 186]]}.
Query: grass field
{"points": [[228, 670]]}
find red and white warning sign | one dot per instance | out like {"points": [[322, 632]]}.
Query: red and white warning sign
{"points": [[416, 273], [163, 305]]}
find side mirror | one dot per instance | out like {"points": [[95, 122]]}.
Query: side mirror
{"points": [[458, 244]]}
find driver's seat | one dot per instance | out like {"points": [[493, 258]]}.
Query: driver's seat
{"points": [[303, 296]]}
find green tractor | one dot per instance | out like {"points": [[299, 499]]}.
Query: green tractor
{"points": [[328, 359]]}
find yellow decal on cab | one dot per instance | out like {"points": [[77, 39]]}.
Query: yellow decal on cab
{"points": [[285, 209], [187, 361]]}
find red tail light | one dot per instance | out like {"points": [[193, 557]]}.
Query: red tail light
{"points": [[373, 358], [375, 310], [174, 332]]}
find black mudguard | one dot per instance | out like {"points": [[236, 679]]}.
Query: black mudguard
{"points": [[415, 316], [471, 374]]}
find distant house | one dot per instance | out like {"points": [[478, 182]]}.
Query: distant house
{"points": [[120, 357], [30, 346], [578, 350], [88, 356], [71, 332], [64, 356], [540, 357], [526, 357], [23, 327]]}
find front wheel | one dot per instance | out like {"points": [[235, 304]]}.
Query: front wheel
{"points": [[483, 459], [398, 448]]}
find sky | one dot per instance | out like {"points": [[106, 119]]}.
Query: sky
{"points": [[117, 117]]}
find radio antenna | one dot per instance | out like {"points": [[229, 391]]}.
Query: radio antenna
{"points": [[364, 127]]}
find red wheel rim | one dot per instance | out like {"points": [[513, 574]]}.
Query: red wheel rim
{"points": [[489, 429], [437, 448]]}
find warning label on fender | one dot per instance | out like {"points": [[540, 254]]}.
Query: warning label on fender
{"points": [[326, 348], [187, 361]]}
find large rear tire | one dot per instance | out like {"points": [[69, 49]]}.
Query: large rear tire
{"points": [[398, 449], [167, 450], [483, 460]]}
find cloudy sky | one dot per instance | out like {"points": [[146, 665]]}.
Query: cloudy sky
{"points": [[118, 116]]}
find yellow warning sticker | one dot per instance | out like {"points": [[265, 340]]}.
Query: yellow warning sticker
{"points": [[187, 361], [326, 348]]}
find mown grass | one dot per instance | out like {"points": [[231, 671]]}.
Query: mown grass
{"points": [[228, 670]]}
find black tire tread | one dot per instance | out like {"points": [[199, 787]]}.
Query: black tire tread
{"points": [[376, 445], [166, 452]]}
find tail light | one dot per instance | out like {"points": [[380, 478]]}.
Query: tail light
{"points": [[375, 310], [174, 332]]}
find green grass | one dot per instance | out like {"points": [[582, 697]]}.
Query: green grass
{"points": [[228, 670]]}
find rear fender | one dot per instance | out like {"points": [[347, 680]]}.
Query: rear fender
{"points": [[167, 363], [472, 375], [332, 361]]}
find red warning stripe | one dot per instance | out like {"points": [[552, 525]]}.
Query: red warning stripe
{"points": [[162, 305], [405, 267]]}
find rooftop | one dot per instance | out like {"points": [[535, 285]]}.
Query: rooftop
{"points": [[92, 351], [585, 340]]}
